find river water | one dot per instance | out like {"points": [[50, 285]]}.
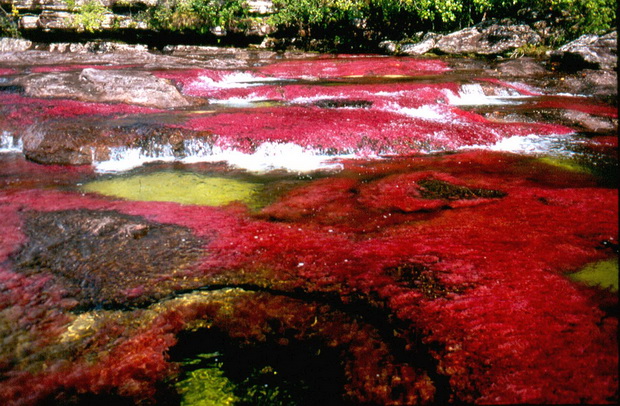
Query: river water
{"points": [[313, 229]]}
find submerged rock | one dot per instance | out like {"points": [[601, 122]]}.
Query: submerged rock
{"points": [[95, 85], [105, 258]]}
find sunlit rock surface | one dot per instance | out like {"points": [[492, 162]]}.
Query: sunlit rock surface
{"points": [[139, 88]]}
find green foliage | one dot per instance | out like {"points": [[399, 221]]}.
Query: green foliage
{"points": [[8, 22], [88, 16], [397, 19], [198, 15], [536, 51]]}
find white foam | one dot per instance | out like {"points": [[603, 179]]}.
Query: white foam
{"points": [[426, 112], [532, 144], [472, 94], [234, 80], [271, 156], [267, 157], [9, 143], [123, 159], [249, 101]]}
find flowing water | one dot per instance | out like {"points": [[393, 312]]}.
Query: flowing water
{"points": [[318, 230]]}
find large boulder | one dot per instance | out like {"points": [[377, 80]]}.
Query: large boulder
{"points": [[589, 52], [107, 258], [109, 86], [84, 142], [489, 38]]}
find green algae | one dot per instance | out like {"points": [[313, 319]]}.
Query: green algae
{"points": [[438, 189], [180, 187], [603, 274], [566, 164], [206, 386]]}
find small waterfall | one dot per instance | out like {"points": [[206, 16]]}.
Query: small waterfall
{"points": [[10, 143], [472, 94], [268, 156]]}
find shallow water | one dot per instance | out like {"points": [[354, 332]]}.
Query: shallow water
{"points": [[339, 230]]}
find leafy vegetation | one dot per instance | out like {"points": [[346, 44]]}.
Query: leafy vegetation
{"points": [[351, 23], [199, 16], [88, 16], [8, 22], [399, 19]]}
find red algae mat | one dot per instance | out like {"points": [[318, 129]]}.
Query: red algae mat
{"points": [[465, 257]]}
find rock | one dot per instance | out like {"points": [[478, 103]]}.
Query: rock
{"points": [[106, 257], [591, 122], [108, 86], [57, 147], [427, 43], [489, 38], [521, 67], [588, 52], [389, 47], [601, 83], [84, 142], [54, 20], [14, 45]]}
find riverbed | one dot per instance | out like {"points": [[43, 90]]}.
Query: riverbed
{"points": [[296, 229]]}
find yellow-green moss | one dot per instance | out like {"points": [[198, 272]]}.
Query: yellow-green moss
{"points": [[603, 274], [180, 187], [565, 163], [206, 387]]}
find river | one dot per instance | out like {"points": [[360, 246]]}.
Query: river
{"points": [[304, 229]]}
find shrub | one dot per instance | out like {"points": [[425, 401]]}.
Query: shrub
{"points": [[198, 15], [89, 16], [8, 22], [397, 19]]}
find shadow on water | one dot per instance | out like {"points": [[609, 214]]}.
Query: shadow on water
{"points": [[217, 368]]}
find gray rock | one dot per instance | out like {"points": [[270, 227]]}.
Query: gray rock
{"points": [[490, 38], [602, 83], [88, 140], [107, 86], [588, 52], [14, 45], [493, 39], [521, 67], [428, 43], [389, 47]]}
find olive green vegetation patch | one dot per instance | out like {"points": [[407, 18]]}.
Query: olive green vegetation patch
{"points": [[603, 274], [180, 187], [567, 164], [205, 384], [206, 387]]}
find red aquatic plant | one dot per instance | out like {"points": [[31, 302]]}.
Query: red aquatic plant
{"points": [[364, 131], [344, 67], [23, 111], [464, 255]]}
